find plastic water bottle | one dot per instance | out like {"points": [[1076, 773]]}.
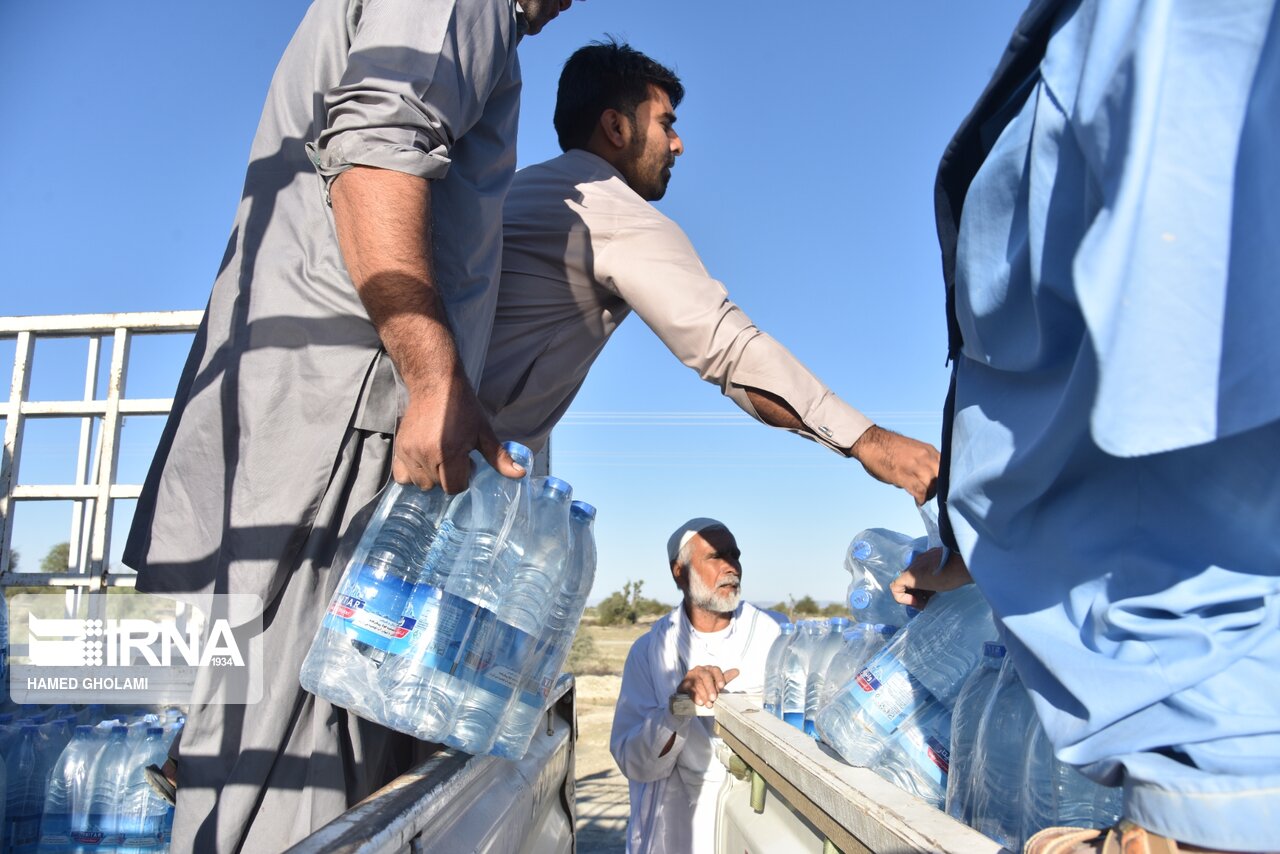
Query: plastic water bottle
{"points": [[25, 795], [372, 612], [67, 796], [4, 650], [144, 817], [874, 559], [927, 659], [918, 758], [860, 642], [420, 689], [503, 644], [971, 703], [999, 760], [819, 662], [795, 670], [1057, 795], [773, 669], [140, 726], [556, 638], [4, 799], [108, 777]]}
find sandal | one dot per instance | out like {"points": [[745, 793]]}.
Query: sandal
{"points": [[160, 784], [1125, 838]]}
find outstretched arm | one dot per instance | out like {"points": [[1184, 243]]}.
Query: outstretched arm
{"points": [[887, 456]]}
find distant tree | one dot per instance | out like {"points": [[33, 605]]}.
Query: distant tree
{"points": [[621, 606], [651, 607], [56, 559], [807, 606], [613, 610], [14, 557], [835, 609]]}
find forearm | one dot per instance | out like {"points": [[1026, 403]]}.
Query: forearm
{"points": [[646, 747], [383, 222]]}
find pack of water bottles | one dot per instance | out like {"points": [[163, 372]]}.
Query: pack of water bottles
{"points": [[1005, 780], [934, 706], [455, 614], [73, 780], [810, 660]]}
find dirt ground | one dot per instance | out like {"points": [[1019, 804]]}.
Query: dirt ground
{"points": [[601, 789]]}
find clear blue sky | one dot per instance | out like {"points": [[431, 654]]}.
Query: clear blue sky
{"points": [[812, 134]]}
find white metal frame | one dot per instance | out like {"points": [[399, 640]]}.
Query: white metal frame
{"points": [[95, 489]]}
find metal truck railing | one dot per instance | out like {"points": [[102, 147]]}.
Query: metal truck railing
{"points": [[94, 491]]}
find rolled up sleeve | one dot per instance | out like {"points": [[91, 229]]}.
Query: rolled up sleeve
{"points": [[654, 268], [417, 78]]}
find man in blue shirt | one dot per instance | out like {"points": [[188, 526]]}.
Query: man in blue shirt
{"points": [[1111, 240]]}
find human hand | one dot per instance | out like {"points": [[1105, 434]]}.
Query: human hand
{"points": [[924, 577], [898, 461], [705, 682], [440, 428]]}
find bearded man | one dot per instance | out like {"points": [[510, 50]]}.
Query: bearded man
{"points": [[710, 641]]}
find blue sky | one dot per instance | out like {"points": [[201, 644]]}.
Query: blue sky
{"points": [[812, 135]]}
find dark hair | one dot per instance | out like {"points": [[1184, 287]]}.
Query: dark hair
{"points": [[606, 75]]}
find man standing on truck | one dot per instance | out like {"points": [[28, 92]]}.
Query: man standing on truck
{"points": [[353, 304], [1109, 219], [713, 639], [583, 247]]}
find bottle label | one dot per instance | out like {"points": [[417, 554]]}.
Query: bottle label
{"points": [[886, 692], [443, 631], [543, 672], [928, 753], [497, 655], [143, 841], [93, 835], [372, 609]]}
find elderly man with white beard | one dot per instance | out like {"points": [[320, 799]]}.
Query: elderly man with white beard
{"points": [[712, 642]]}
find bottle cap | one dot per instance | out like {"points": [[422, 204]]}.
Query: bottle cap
{"points": [[885, 629], [522, 455], [838, 624], [554, 485], [860, 550], [584, 509], [993, 649], [859, 599], [155, 730], [787, 628]]}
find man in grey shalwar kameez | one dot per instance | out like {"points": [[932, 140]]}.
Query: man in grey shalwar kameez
{"points": [[354, 302]]}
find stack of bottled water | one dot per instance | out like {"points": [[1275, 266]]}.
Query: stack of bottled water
{"points": [[965, 720], [860, 642], [74, 787], [773, 669], [455, 614], [819, 663], [874, 559], [795, 669], [1008, 784]]}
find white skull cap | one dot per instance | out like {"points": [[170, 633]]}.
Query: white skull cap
{"points": [[682, 534]]}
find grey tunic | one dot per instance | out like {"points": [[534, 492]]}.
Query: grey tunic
{"points": [[282, 419], [581, 251]]}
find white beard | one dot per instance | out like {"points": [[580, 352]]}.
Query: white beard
{"points": [[720, 600]]}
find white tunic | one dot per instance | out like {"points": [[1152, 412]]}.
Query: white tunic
{"points": [[673, 796]]}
